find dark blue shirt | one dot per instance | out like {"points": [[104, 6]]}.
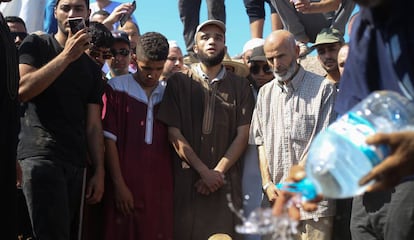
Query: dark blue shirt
{"points": [[381, 55]]}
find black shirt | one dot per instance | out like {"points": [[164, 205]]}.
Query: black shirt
{"points": [[53, 122]]}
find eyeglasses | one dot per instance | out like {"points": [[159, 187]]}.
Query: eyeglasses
{"points": [[123, 52], [21, 35], [255, 69], [95, 53]]}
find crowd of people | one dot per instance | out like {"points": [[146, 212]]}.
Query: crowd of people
{"points": [[110, 133]]}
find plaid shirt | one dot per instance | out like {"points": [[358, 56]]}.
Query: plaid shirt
{"points": [[287, 118]]}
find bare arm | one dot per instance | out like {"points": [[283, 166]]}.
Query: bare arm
{"points": [[125, 8], [94, 136], [270, 191], [235, 150], [305, 6], [124, 200], [34, 81], [212, 178]]}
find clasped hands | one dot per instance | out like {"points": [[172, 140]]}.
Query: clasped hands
{"points": [[211, 180]]}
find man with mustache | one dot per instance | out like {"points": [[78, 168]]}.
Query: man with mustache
{"points": [[208, 111], [327, 44], [60, 89], [289, 112]]}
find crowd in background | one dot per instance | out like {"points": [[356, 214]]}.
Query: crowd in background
{"points": [[123, 135]]}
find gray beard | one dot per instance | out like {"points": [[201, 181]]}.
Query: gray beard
{"points": [[289, 74]]}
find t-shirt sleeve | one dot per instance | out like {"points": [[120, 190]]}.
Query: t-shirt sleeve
{"points": [[169, 112], [32, 51]]}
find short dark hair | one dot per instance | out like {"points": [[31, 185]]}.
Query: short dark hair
{"points": [[15, 19], [152, 46], [86, 1], [101, 36]]}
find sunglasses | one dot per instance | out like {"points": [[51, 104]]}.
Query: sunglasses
{"points": [[123, 52], [255, 69], [97, 53], [21, 35]]}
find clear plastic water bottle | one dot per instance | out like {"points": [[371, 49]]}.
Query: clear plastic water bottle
{"points": [[339, 157]]}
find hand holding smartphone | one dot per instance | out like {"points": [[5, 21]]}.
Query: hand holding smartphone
{"points": [[125, 17], [76, 24]]}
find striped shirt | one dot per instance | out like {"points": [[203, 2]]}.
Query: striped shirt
{"points": [[287, 118]]}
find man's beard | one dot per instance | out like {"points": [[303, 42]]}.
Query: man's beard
{"points": [[289, 74], [212, 60]]}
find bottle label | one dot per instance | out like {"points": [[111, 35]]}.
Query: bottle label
{"points": [[356, 129]]}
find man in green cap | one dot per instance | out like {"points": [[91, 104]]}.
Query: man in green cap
{"points": [[327, 44]]}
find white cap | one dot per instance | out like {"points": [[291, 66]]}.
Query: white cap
{"points": [[252, 43], [173, 44], [217, 23]]}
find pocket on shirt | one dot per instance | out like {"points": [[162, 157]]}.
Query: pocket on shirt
{"points": [[302, 127]]}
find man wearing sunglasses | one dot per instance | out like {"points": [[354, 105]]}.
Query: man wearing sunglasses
{"points": [[17, 28], [259, 68], [121, 55], [102, 42]]}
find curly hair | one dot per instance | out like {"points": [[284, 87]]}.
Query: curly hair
{"points": [[152, 46], [101, 36]]}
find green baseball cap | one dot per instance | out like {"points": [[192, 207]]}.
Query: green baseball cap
{"points": [[328, 35]]}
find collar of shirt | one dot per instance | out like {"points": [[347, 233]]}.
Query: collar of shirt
{"points": [[293, 84], [204, 76]]}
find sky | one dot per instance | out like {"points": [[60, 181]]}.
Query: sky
{"points": [[162, 16]]}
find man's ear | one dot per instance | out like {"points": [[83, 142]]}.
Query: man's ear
{"points": [[89, 14], [195, 48]]}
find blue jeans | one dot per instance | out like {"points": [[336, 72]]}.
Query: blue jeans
{"points": [[53, 192]]}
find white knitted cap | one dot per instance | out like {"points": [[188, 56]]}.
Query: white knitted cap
{"points": [[252, 43]]}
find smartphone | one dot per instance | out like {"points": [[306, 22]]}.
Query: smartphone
{"points": [[125, 17], [76, 24]]}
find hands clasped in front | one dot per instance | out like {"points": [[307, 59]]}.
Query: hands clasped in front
{"points": [[210, 181]]}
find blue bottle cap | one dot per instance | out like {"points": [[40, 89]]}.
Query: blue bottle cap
{"points": [[305, 187]]}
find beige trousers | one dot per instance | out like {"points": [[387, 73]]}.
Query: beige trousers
{"points": [[311, 230]]}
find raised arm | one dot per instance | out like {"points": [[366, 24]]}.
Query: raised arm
{"points": [[323, 6], [34, 81]]}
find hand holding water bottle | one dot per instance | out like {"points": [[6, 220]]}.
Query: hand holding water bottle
{"points": [[296, 175], [399, 164]]}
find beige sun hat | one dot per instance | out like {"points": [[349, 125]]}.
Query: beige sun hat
{"points": [[239, 68]]}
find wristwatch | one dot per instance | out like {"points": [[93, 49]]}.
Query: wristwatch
{"points": [[266, 186]]}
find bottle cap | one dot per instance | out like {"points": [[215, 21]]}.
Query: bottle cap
{"points": [[305, 187]]}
